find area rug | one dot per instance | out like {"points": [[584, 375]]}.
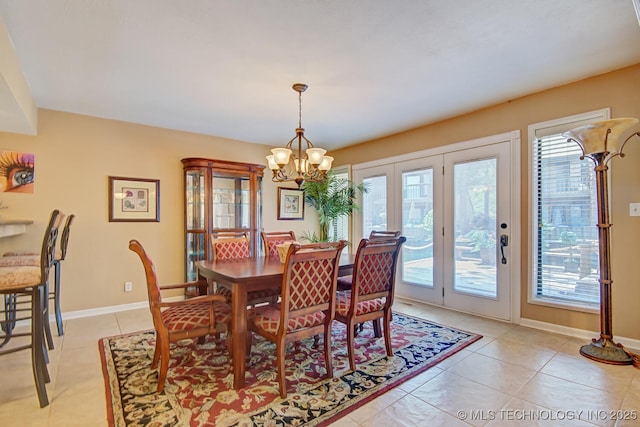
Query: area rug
{"points": [[199, 391]]}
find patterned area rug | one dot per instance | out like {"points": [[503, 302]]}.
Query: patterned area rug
{"points": [[199, 391]]}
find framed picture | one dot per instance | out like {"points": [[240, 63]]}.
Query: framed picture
{"points": [[134, 199], [290, 203]]}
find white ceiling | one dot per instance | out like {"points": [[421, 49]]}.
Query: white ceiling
{"points": [[374, 67]]}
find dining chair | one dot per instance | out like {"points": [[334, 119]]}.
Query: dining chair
{"points": [[384, 234], [233, 245], [60, 255], [271, 240], [173, 321], [372, 290], [307, 304], [344, 282], [29, 283], [33, 258]]}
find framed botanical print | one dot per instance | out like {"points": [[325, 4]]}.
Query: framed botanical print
{"points": [[290, 203], [134, 199]]}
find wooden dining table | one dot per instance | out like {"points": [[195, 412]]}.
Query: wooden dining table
{"points": [[242, 276]]}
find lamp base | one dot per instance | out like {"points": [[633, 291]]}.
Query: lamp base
{"points": [[606, 351]]}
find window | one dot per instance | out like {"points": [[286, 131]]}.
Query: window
{"points": [[564, 216], [342, 223]]}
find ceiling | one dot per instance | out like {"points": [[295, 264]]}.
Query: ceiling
{"points": [[374, 67]]}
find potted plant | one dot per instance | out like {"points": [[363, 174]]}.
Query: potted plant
{"points": [[332, 199], [484, 243]]}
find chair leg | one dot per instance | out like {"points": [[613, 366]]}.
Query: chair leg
{"points": [[376, 328], [10, 307], [328, 360], [164, 363], [47, 324], [282, 380], [56, 298], [387, 333], [350, 339], [156, 352], [40, 372]]}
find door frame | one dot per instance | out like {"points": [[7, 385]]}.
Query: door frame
{"points": [[514, 142]]}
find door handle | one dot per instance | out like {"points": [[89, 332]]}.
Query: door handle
{"points": [[504, 241]]}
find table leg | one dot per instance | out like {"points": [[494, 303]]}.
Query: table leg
{"points": [[239, 333]]}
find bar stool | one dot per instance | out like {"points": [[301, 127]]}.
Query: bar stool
{"points": [[31, 282], [32, 258]]}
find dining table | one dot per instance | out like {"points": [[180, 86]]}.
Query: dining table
{"points": [[244, 275]]}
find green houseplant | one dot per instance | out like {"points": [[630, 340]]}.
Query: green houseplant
{"points": [[484, 243], [332, 199]]}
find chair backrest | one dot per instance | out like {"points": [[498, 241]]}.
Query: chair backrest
{"points": [[229, 244], [374, 269], [384, 234], [309, 279], [48, 250], [272, 239], [64, 239], [153, 287]]}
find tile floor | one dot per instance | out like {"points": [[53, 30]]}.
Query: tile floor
{"points": [[512, 376]]}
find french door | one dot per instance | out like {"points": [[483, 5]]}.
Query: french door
{"points": [[454, 208]]}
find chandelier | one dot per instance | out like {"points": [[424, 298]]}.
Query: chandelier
{"points": [[291, 163]]}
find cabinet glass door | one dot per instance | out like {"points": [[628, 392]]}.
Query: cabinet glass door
{"points": [[231, 202], [195, 219]]}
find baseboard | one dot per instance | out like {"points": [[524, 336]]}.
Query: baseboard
{"points": [[112, 309], [629, 343], [79, 314]]}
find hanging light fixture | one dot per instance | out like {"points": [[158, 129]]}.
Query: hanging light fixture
{"points": [[291, 163]]}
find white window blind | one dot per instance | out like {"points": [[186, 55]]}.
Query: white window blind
{"points": [[341, 227], [566, 263]]}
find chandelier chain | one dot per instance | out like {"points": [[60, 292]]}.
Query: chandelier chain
{"points": [[299, 109]]}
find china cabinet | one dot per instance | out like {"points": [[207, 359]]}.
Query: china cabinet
{"points": [[219, 196]]}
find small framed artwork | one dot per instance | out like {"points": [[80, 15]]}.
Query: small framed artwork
{"points": [[290, 203], [134, 199]]}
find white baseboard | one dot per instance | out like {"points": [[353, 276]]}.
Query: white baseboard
{"points": [[112, 309], [629, 343], [530, 323], [79, 314], [104, 310]]}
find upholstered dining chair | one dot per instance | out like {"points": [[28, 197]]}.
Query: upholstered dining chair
{"points": [[233, 245], [29, 283], [271, 240], [372, 290], [176, 320], [306, 307], [344, 282], [384, 234], [60, 255]]}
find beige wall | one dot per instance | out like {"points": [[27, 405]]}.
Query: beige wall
{"points": [[618, 90], [74, 155]]}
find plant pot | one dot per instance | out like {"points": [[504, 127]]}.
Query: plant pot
{"points": [[488, 256]]}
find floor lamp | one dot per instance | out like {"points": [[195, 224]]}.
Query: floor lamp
{"points": [[599, 141]]}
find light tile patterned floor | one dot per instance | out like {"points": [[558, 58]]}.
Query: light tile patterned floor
{"points": [[513, 376]]}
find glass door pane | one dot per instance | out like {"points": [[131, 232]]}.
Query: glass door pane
{"points": [[475, 228], [231, 202], [195, 200], [417, 227], [374, 205]]}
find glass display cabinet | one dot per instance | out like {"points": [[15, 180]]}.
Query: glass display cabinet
{"points": [[219, 196]]}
